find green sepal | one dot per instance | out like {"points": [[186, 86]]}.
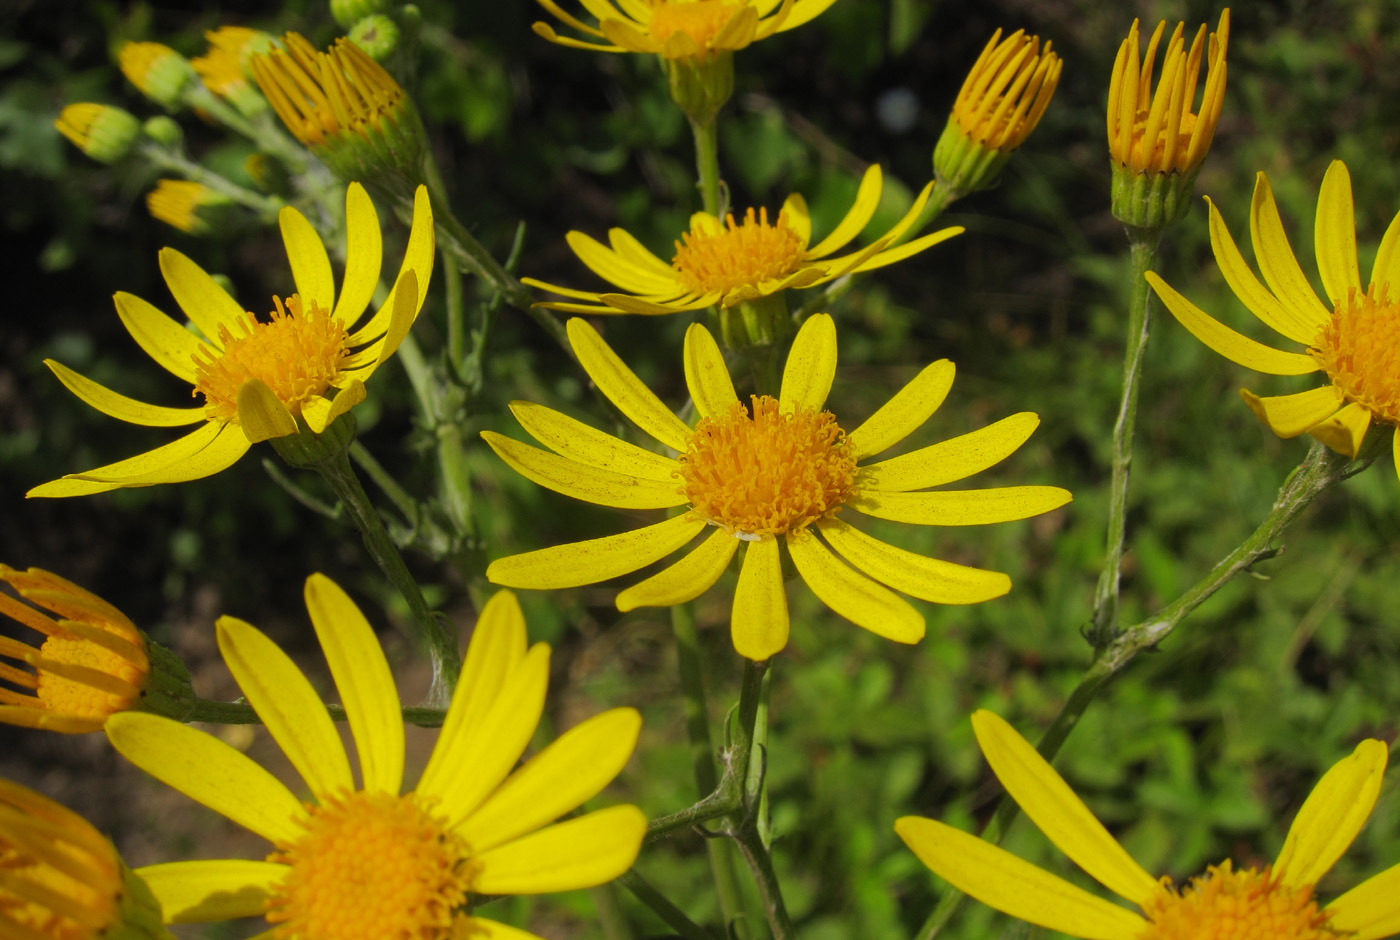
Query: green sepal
{"points": [[307, 450], [1150, 201], [168, 690], [700, 87], [963, 165], [139, 916]]}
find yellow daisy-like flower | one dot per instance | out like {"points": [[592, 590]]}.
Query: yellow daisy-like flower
{"points": [[1276, 903], [370, 863], [777, 473], [61, 880], [731, 262], [1353, 336], [260, 379], [680, 29]]}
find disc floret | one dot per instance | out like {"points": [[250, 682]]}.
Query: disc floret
{"points": [[1359, 348], [738, 255], [1224, 903]]}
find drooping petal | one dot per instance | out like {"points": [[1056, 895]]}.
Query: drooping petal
{"points": [[363, 679], [1371, 910], [1001, 880], [595, 560], [618, 269], [320, 412], [685, 580], [910, 407], [930, 579], [622, 387], [856, 219], [119, 474], [962, 507], [953, 459], [217, 889], [224, 446], [167, 342], [1332, 815], [811, 365], [706, 375], [119, 406], [1386, 269], [306, 253], [1345, 430], [1291, 415], [1234, 346], [590, 850], [1259, 299], [418, 258], [261, 414], [889, 256], [577, 441], [364, 255], [758, 624], [582, 481], [574, 768], [1055, 809], [1334, 234], [1276, 260], [208, 771], [404, 313], [851, 594], [207, 304]]}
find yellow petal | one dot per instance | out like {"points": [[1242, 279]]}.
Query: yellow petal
{"points": [[1276, 260], [1386, 269], [627, 246], [261, 414], [1291, 415], [581, 481], [580, 853], [1232, 345], [577, 441], [201, 298], [164, 340], [618, 269], [208, 771], [1345, 430], [622, 387], [910, 407], [799, 218], [659, 305], [288, 705], [363, 679], [930, 579], [804, 11], [1369, 911], [962, 507], [222, 451], [595, 560], [685, 580], [479, 928], [364, 255], [811, 365], [1332, 815], [218, 889], [859, 215], [758, 624], [348, 397], [894, 255], [112, 476], [1334, 234], [851, 594], [1260, 301], [418, 258], [1001, 880], [1049, 803], [575, 768], [311, 266], [706, 375], [406, 304], [953, 459], [119, 406]]}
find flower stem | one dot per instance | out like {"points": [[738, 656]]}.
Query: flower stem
{"points": [[169, 159], [1103, 629], [707, 163], [661, 905]]}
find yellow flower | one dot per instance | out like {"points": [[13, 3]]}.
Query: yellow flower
{"points": [[259, 379], [224, 68], [62, 880], [784, 471], [681, 29], [1276, 903], [728, 263], [372, 862], [1353, 336], [158, 72], [177, 203], [98, 130]]}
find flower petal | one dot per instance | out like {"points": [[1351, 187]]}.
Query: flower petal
{"points": [[930, 579], [1369, 911], [622, 387], [418, 258], [207, 304], [363, 679], [652, 307], [96, 480], [306, 253], [479, 928], [208, 771], [577, 441], [595, 560], [364, 255], [953, 459], [962, 507], [171, 345], [910, 407], [574, 768], [1234, 346], [403, 313], [1001, 880], [706, 375], [1345, 430], [222, 450], [799, 218], [580, 853], [627, 246], [217, 889], [1291, 415], [857, 217], [1057, 812], [811, 365], [758, 624], [1260, 301], [851, 594], [619, 269], [685, 580], [582, 481], [318, 417], [898, 253], [119, 406], [1386, 269], [1332, 815], [261, 414], [1275, 256], [287, 704], [1334, 234]]}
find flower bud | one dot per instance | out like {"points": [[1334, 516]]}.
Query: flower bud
{"points": [[158, 72], [102, 132]]}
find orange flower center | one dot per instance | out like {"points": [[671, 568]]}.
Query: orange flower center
{"points": [[297, 353], [743, 255], [769, 473], [85, 696], [701, 20], [1360, 350], [1224, 904], [370, 866]]}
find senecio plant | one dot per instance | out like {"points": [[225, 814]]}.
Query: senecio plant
{"points": [[754, 499]]}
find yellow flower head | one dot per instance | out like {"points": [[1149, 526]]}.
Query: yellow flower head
{"points": [[1273, 903], [178, 203], [775, 469], [225, 67], [688, 30], [98, 130], [1353, 336], [260, 379], [372, 862], [62, 880], [730, 262], [158, 72]]}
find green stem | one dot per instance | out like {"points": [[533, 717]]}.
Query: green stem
{"points": [[1144, 257], [456, 315], [939, 198], [610, 913], [660, 904], [168, 159], [439, 400], [707, 163], [761, 864], [241, 713], [383, 479]]}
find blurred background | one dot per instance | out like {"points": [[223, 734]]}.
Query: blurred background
{"points": [[1201, 750]]}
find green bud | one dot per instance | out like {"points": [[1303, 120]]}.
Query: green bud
{"points": [[378, 35], [349, 12], [164, 130], [104, 133]]}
